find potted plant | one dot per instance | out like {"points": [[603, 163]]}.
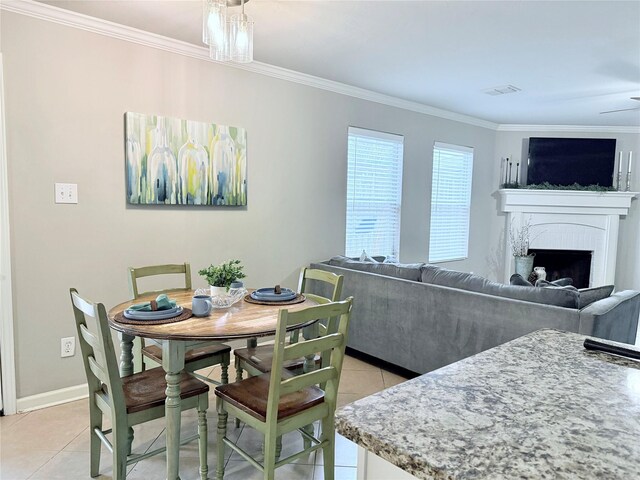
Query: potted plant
{"points": [[519, 239], [221, 276]]}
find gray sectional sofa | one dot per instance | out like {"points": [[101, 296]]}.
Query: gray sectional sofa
{"points": [[422, 317]]}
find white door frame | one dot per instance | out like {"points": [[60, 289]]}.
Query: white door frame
{"points": [[7, 354]]}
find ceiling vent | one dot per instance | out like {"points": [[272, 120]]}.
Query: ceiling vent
{"points": [[501, 90]]}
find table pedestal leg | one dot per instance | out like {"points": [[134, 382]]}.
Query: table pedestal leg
{"points": [[173, 364], [126, 355]]}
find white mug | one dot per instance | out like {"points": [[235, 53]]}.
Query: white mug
{"points": [[201, 305]]}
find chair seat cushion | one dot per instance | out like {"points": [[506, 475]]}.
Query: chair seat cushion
{"points": [[261, 358], [146, 389], [154, 352], [250, 395]]}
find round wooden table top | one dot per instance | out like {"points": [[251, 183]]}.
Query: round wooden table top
{"points": [[241, 320]]}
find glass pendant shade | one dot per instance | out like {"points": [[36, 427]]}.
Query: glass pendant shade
{"points": [[228, 39], [206, 9], [241, 38], [215, 30]]}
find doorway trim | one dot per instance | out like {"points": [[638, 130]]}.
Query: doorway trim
{"points": [[7, 352]]}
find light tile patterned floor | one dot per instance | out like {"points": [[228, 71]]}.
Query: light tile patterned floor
{"points": [[53, 443]]}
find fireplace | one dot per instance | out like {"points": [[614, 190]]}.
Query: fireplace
{"points": [[575, 264], [565, 220]]}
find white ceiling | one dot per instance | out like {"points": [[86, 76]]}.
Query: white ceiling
{"points": [[571, 59]]}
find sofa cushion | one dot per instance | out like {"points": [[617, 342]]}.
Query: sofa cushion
{"points": [[559, 297], [590, 295], [365, 257], [406, 271]]}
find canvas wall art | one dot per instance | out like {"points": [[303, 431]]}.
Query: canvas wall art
{"points": [[170, 161]]}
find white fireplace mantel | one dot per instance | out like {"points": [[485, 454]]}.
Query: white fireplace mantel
{"points": [[569, 220]]}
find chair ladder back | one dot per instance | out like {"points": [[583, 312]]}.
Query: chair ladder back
{"points": [[335, 343], [140, 272], [314, 345], [336, 358], [96, 351], [98, 354], [316, 377], [330, 278]]}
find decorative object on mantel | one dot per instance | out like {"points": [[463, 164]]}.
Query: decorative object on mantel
{"points": [[548, 186], [619, 175], [229, 39], [220, 277], [628, 187], [182, 162], [541, 273], [508, 172], [519, 239]]}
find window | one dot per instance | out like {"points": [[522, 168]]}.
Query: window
{"points": [[450, 202], [374, 191]]}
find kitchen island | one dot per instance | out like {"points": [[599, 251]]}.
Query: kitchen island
{"points": [[540, 406]]}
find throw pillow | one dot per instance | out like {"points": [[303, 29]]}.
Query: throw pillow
{"points": [[561, 282], [390, 259], [365, 257], [517, 279], [590, 295]]}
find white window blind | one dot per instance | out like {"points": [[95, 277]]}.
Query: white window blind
{"points": [[374, 191], [450, 202]]}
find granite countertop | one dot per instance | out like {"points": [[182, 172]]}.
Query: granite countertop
{"points": [[538, 407]]}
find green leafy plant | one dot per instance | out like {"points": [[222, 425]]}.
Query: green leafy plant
{"points": [[548, 186], [222, 275]]}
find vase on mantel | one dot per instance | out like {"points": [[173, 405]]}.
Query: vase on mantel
{"points": [[524, 265]]}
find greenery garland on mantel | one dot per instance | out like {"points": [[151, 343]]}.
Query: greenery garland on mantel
{"points": [[548, 186]]}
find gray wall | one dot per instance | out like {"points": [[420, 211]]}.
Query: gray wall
{"points": [[515, 144], [66, 92]]}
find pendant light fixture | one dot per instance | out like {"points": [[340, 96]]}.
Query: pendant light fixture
{"points": [[228, 39]]}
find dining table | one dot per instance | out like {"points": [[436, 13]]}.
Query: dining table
{"points": [[242, 320]]}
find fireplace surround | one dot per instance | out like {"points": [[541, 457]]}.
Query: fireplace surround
{"points": [[569, 220]]}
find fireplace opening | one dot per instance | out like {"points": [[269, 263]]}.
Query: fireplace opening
{"points": [[575, 264]]}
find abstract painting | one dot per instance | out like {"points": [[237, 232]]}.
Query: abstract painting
{"points": [[170, 161]]}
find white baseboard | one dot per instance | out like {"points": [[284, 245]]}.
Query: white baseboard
{"points": [[54, 397]]}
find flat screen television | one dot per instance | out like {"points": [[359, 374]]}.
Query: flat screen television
{"points": [[565, 161]]}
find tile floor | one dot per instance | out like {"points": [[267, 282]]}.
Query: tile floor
{"points": [[53, 443]]}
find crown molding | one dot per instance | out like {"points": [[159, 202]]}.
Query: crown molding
{"points": [[68, 18], [80, 21], [567, 128]]}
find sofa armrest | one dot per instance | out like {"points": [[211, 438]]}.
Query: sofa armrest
{"points": [[614, 318]]}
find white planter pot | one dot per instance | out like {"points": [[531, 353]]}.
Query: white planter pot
{"points": [[524, 266], [218, 291]]}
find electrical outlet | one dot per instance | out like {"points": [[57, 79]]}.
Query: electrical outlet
{"points": [[66, 192], [68, 347]]}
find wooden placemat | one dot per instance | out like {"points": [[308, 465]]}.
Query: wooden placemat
{"points": [[298, 299], [186, 313]]}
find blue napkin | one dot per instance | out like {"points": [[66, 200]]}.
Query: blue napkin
{"points": [[164, 303]]}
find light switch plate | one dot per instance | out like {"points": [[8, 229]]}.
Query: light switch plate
{"points": [[66, 193]]}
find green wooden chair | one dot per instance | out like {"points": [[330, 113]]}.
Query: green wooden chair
{"points": [[127, 401], [279, 402], [203, 356], [257, 360]]}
